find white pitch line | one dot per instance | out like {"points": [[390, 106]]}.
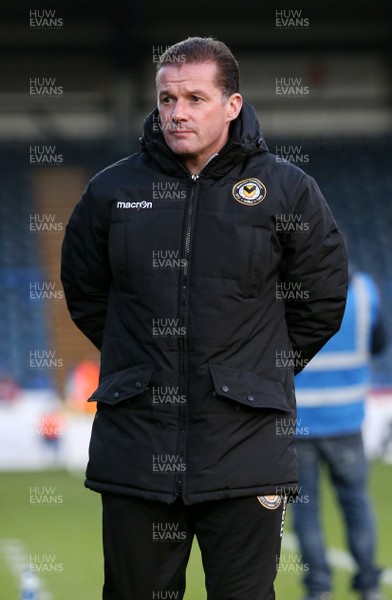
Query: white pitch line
{"points": [[18, 562], [338, 558]]}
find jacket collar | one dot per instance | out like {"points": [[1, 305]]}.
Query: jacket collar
{"points": [[245, 139]]}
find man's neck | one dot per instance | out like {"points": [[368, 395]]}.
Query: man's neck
{"points": [[196, 165]]}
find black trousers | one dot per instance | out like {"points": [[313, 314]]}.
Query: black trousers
{"points": [[147, 546]]}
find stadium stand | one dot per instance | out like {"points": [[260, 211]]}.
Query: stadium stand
{"points": [[22, 321], [35, 203]]}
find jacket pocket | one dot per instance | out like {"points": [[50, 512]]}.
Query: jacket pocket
{"points": [[249, 389], [123, 385], [259, 261]]}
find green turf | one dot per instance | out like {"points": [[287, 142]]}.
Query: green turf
{"points": [[68, 531], [65, 534]]}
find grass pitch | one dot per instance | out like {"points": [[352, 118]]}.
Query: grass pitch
{"points": [[49, 519]]}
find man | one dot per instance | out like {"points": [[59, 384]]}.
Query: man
{"points": [[331, 394], [171, 262]]}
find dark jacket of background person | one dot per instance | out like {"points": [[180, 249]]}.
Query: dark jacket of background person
{"points": [[198, 358]]}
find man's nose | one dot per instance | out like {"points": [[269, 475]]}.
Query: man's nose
{"points": [[179, 112]]}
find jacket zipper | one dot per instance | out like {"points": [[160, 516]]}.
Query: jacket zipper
{"points": [[183, 340]]}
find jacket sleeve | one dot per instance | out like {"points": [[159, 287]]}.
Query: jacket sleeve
{"points": [[85, 271], [314, 262]]}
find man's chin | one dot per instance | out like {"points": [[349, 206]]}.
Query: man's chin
{"points": [[182, 150]]}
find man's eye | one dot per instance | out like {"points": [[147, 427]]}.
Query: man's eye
{"points": [[196, 99], [165, 100]]}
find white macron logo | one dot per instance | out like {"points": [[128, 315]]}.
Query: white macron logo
{"points": [[137, 205]]}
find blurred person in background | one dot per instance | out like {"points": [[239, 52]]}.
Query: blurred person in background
{"points": [[51, 429], [9, 389], [171, 262], [331, 393]]}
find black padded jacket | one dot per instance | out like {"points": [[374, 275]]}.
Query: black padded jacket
{"points": [[205, 295]]}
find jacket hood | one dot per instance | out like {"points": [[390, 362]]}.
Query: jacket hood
{"points": [[245, 139]]}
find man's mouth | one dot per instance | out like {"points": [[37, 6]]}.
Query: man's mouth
{"points": [[180, 131]]}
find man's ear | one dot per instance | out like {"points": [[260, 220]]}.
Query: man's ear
{"points": [[233, 105]]}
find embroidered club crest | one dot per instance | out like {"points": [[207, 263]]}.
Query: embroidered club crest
{"points": [[271, 502], [249, 191]]}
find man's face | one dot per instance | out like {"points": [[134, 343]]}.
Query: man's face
{"points": [[195, 123]]}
